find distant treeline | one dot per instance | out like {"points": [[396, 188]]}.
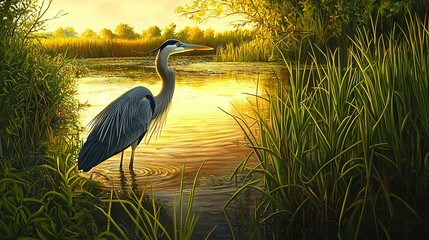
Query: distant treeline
{"points": [[125, 31], [125, 42]]}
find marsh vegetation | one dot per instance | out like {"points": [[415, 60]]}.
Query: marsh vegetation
{"points": [[341, 147]]}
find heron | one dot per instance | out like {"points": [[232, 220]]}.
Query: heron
{"points": [[134, 114]]}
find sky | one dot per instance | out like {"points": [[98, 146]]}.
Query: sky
{"points": [[139, 14]]}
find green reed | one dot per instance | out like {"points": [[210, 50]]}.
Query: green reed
{"points": [[147, 217], [42, 194], [256, 50], [99, 48], [344, 150]]}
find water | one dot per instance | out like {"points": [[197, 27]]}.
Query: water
{"points": [[197, 129]]}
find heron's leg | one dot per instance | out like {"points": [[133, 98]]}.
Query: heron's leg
{"points": [[133, 150], [122, 158]]}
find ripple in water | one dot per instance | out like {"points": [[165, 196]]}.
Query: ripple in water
{"points": [[150, 176], [196, 131]]}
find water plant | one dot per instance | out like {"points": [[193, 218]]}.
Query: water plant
{"points": [[344, 149], [82, 47], [99, 48], [133, 214], [42, 194], [257, 50]]}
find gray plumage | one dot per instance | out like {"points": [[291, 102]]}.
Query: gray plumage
{"points": [[126, 121], [114, 129]]}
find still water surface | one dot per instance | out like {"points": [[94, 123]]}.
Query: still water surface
{"points": [[196, 130]]}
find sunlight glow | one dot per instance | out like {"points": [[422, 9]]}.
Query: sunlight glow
{"points": [[139, 14]]}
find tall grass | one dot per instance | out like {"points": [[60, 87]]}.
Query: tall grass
{"points": [[344, 152], [99, 48], [134, 215], [42, 194], [257, 50], [61, 204]]}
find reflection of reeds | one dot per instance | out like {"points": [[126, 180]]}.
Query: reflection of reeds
{"points": [[146, 218], [344, 152]]}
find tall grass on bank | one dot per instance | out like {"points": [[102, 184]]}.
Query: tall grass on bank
{"points": [[61, 204], [227, 42], [98, 48], [42, 194], [345, 151], [257, 50]]}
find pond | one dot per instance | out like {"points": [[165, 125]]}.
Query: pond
{"points": [[198, 128]]}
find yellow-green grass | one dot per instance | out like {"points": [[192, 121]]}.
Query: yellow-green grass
{"points": [[42, 194], [226, 41], [344, 150], [257, 50], [98, 48]]}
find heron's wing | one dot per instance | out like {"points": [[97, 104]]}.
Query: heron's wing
{"points": [[121, 123]]}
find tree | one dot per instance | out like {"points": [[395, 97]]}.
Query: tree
{"points": [[22, 17], [209, 33], [272, 18], [59, 33], [152, 32], [70, 32], [89, 33], [183, 34], [124, 31], [196, 35], [290, 22], [67, 32], [107, 33], [169, 31], [209, 37]]}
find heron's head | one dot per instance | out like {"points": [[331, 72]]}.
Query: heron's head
{"points": [[173, 46]]}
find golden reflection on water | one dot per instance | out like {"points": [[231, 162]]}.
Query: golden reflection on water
{"points": [[196, 130]]}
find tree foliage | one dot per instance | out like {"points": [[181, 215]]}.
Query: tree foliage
{"points": [[169, 31], [183, 34], [196, 34], [289, 22], [125, 31], [152, 32], [13, 22], [89, 33], [67, 32], [106, 34]]}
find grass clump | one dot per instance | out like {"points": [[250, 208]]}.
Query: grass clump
{"points": [[134, 215], [344, 150], [42, 194], [256, 50], [99, 48]]}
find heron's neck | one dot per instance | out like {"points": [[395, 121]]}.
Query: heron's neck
{"points": [[168, 77]]}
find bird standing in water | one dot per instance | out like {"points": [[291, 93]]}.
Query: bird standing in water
{"points": [[126, 120]]}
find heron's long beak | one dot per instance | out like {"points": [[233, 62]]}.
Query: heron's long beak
{"points": [[191, 47]]}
